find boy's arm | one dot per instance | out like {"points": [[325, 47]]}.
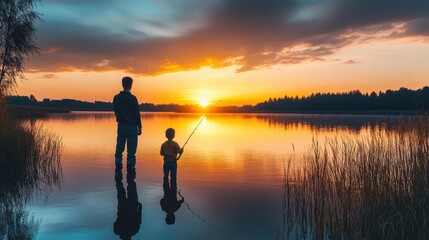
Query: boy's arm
{"points": [[179, 150]]}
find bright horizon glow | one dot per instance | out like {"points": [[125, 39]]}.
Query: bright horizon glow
{"points": [[204, 103]]}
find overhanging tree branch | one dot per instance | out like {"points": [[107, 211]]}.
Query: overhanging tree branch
{"points": [[17, 40]]}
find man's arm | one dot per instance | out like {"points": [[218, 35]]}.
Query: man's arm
{"points": [[138, 116], [114, 105]]}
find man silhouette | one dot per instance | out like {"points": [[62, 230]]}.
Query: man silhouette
{"points": [[127, 114]]}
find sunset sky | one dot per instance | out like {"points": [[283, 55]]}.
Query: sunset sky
{"points": [[240, 51]]}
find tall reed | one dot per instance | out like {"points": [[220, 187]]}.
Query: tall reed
{"points": [[29, 164], [29, 159], [370, 187]]}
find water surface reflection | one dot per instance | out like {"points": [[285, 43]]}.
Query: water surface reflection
{"points": [[129, 214], [231, 174], [29, 166]]}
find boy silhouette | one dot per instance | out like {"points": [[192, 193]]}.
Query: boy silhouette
{"points": [[170, 149], [127, 114]]}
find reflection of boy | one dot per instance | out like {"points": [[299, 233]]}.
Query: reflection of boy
{"points": [[170, 149], [169, 202]]}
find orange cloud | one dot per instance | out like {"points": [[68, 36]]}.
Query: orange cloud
{"points": [[249, 34]]}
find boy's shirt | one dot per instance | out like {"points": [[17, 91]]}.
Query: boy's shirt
{"points": [[170, 149]]}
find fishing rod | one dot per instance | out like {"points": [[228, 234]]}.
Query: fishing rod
{"points": [[195, 129]]}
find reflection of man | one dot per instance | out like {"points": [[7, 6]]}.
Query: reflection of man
{"points": [[169, 202], [127, 114], [129, 216]]}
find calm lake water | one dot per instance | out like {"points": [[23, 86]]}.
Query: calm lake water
{"points": [[230, 174]]}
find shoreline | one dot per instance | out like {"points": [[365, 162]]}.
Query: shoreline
{"points": [[26, 111], [41, 111]]}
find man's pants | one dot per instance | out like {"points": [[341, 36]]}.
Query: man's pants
{"points": [[127, 133]]}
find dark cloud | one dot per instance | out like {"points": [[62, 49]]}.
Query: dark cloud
{"points": [[418, 27], [351, 61], [48, 76], [248, 33], [362, 13]]}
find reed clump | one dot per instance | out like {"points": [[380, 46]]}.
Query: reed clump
{"points": [[17, 223], [29, 159], [370, 187], [29, 164]]}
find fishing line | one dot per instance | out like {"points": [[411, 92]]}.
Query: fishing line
{"points": [[186, 142], [197, 215], [192, 133]]}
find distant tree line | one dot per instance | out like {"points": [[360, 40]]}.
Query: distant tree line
{"points": [[69, 104], [402, 99], [78, 105]]}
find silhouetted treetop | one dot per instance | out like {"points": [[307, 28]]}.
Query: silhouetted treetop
{"points": [[402, 99], [17, 40]]}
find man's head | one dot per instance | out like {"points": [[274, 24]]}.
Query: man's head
{"points": [[170, 133], [127, 83]]}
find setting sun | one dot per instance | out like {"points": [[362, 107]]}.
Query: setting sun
{"points": [[204, 103]]}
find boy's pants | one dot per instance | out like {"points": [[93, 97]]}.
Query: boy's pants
{"points": [[127, 133], [170, 166]]}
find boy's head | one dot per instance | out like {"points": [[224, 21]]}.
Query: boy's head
{"points": [[127, 82], [170, 133]]}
